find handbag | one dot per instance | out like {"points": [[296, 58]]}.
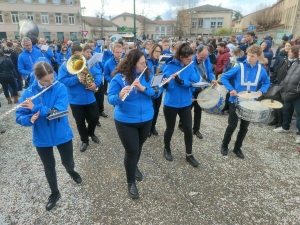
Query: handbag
{"points": [[273, 92]]}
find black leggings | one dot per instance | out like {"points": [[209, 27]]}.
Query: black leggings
{"points": [[232, 124], [132, 136], [185, 115], [156, 105], [99, 95], [9, 80], [46, 154]]}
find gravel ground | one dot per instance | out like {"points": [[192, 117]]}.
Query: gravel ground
{"points": [[261, 189]]}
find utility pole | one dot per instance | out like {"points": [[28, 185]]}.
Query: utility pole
{"points": [[134, 25]]}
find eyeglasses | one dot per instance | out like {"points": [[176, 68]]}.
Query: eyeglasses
{"points": [[157, 51]]}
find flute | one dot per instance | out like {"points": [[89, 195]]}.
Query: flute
{"points": [[170, 78], [31, 98], [131, 86]]}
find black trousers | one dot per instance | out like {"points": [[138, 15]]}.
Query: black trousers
{"points": [[227, 103], [20, 82], [89, 113], [132, 136], [232, 124], [47, 157], [185, 116], [156, 105], [99, 95], [105, 84], [197, 110], [9, 80]]}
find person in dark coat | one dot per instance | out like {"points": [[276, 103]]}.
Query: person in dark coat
{"points": [[283, 52], [268, 53], [290, 94], [8, 76]]}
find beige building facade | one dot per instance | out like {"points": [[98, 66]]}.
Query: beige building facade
{"points": [[287, 10], [205, 20], [56, 19], [143, 24]]}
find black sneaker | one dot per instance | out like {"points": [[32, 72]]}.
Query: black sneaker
{"points": [[238, 153], [224, 150], [133, 191], [138, 175], [167, 154], [75, 176], [53, 198], [192, 161]]}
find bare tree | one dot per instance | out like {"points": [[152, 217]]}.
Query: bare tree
{"points": [[266, 17], [99, 25]]}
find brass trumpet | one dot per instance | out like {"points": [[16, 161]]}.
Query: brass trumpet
{"points": [[77, 64]]}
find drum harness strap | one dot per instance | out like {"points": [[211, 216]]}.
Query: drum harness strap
{"points": [[248, 84]]}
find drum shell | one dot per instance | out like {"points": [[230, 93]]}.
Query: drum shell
{"points": [[217, 107]]}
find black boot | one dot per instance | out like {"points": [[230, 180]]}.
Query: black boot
{"points": [[133, 191], [224, 150], [239, 153], [53, 198]]}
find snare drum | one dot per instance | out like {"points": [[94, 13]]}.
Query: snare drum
{"points": [[251, 110], [211, 101], [200, 85]]}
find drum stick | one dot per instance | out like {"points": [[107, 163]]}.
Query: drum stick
{"points": [[210, 87]]}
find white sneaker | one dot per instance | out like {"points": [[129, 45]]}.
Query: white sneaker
{"points": [[298, 139], [280, 130]]}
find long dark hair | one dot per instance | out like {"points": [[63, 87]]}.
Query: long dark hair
{"points": [[127, 65], [183, 50]]}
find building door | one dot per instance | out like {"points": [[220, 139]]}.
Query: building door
{"points": [[3, 35], [73, 36], [47, 36], [60, 36]]}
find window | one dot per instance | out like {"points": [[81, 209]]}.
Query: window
{"points": [[15, 17], [213, 22], [220, 22], [17, 35], [206, 23], [60, 36], [58, 18], [200, 22], [27, 1], [124, 18], [56, 2], [70, 2], [157, 29], [194, 22], [71, 19], [44, 18], [47, 36], [29, 15], [1, 17], [163, 29], [42, 1], [73, 36]]}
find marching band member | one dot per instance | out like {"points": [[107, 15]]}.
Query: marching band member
{"points": [[34, 112], [46, 53], [27, 59], [203, 64], [153, 56], [112, 63], [133, 116], [166, 47], [96, 70], [62, 56], [82, 101], [235, 81], [178, 101]]}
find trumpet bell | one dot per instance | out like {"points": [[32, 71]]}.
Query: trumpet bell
{"points": [[76, 64]]}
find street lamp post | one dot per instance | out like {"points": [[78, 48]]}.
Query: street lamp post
{"points": [[134, 25], [82, 13]]}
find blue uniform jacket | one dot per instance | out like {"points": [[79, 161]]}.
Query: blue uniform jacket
{"points": [[208, 68], [46, 133], [27, 60], [78, 94], [109, 67], [268, 54], [61, 58], [107, 54], [178, 96], [152, 64], [232, 79], [137, 107], [48, 54]]}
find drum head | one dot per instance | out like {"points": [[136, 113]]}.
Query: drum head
{"points": [[208, 99], [253, 105]]}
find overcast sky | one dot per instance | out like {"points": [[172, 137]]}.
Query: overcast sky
{"points": [[154, 8]]}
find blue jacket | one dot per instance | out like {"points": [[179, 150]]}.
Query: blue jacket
{"points": [[106, 56], [48, 54], [268, 54], [152, 64], [178, 96], [27, 60], [61, 58], [165, 52], [232, 79], [109, 67], [46, 133], [78, 94], [137, 107]]}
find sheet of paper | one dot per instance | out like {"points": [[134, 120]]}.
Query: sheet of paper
{"points": [[44, 47], [100, 42], [97, 57], [156, 80]]}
